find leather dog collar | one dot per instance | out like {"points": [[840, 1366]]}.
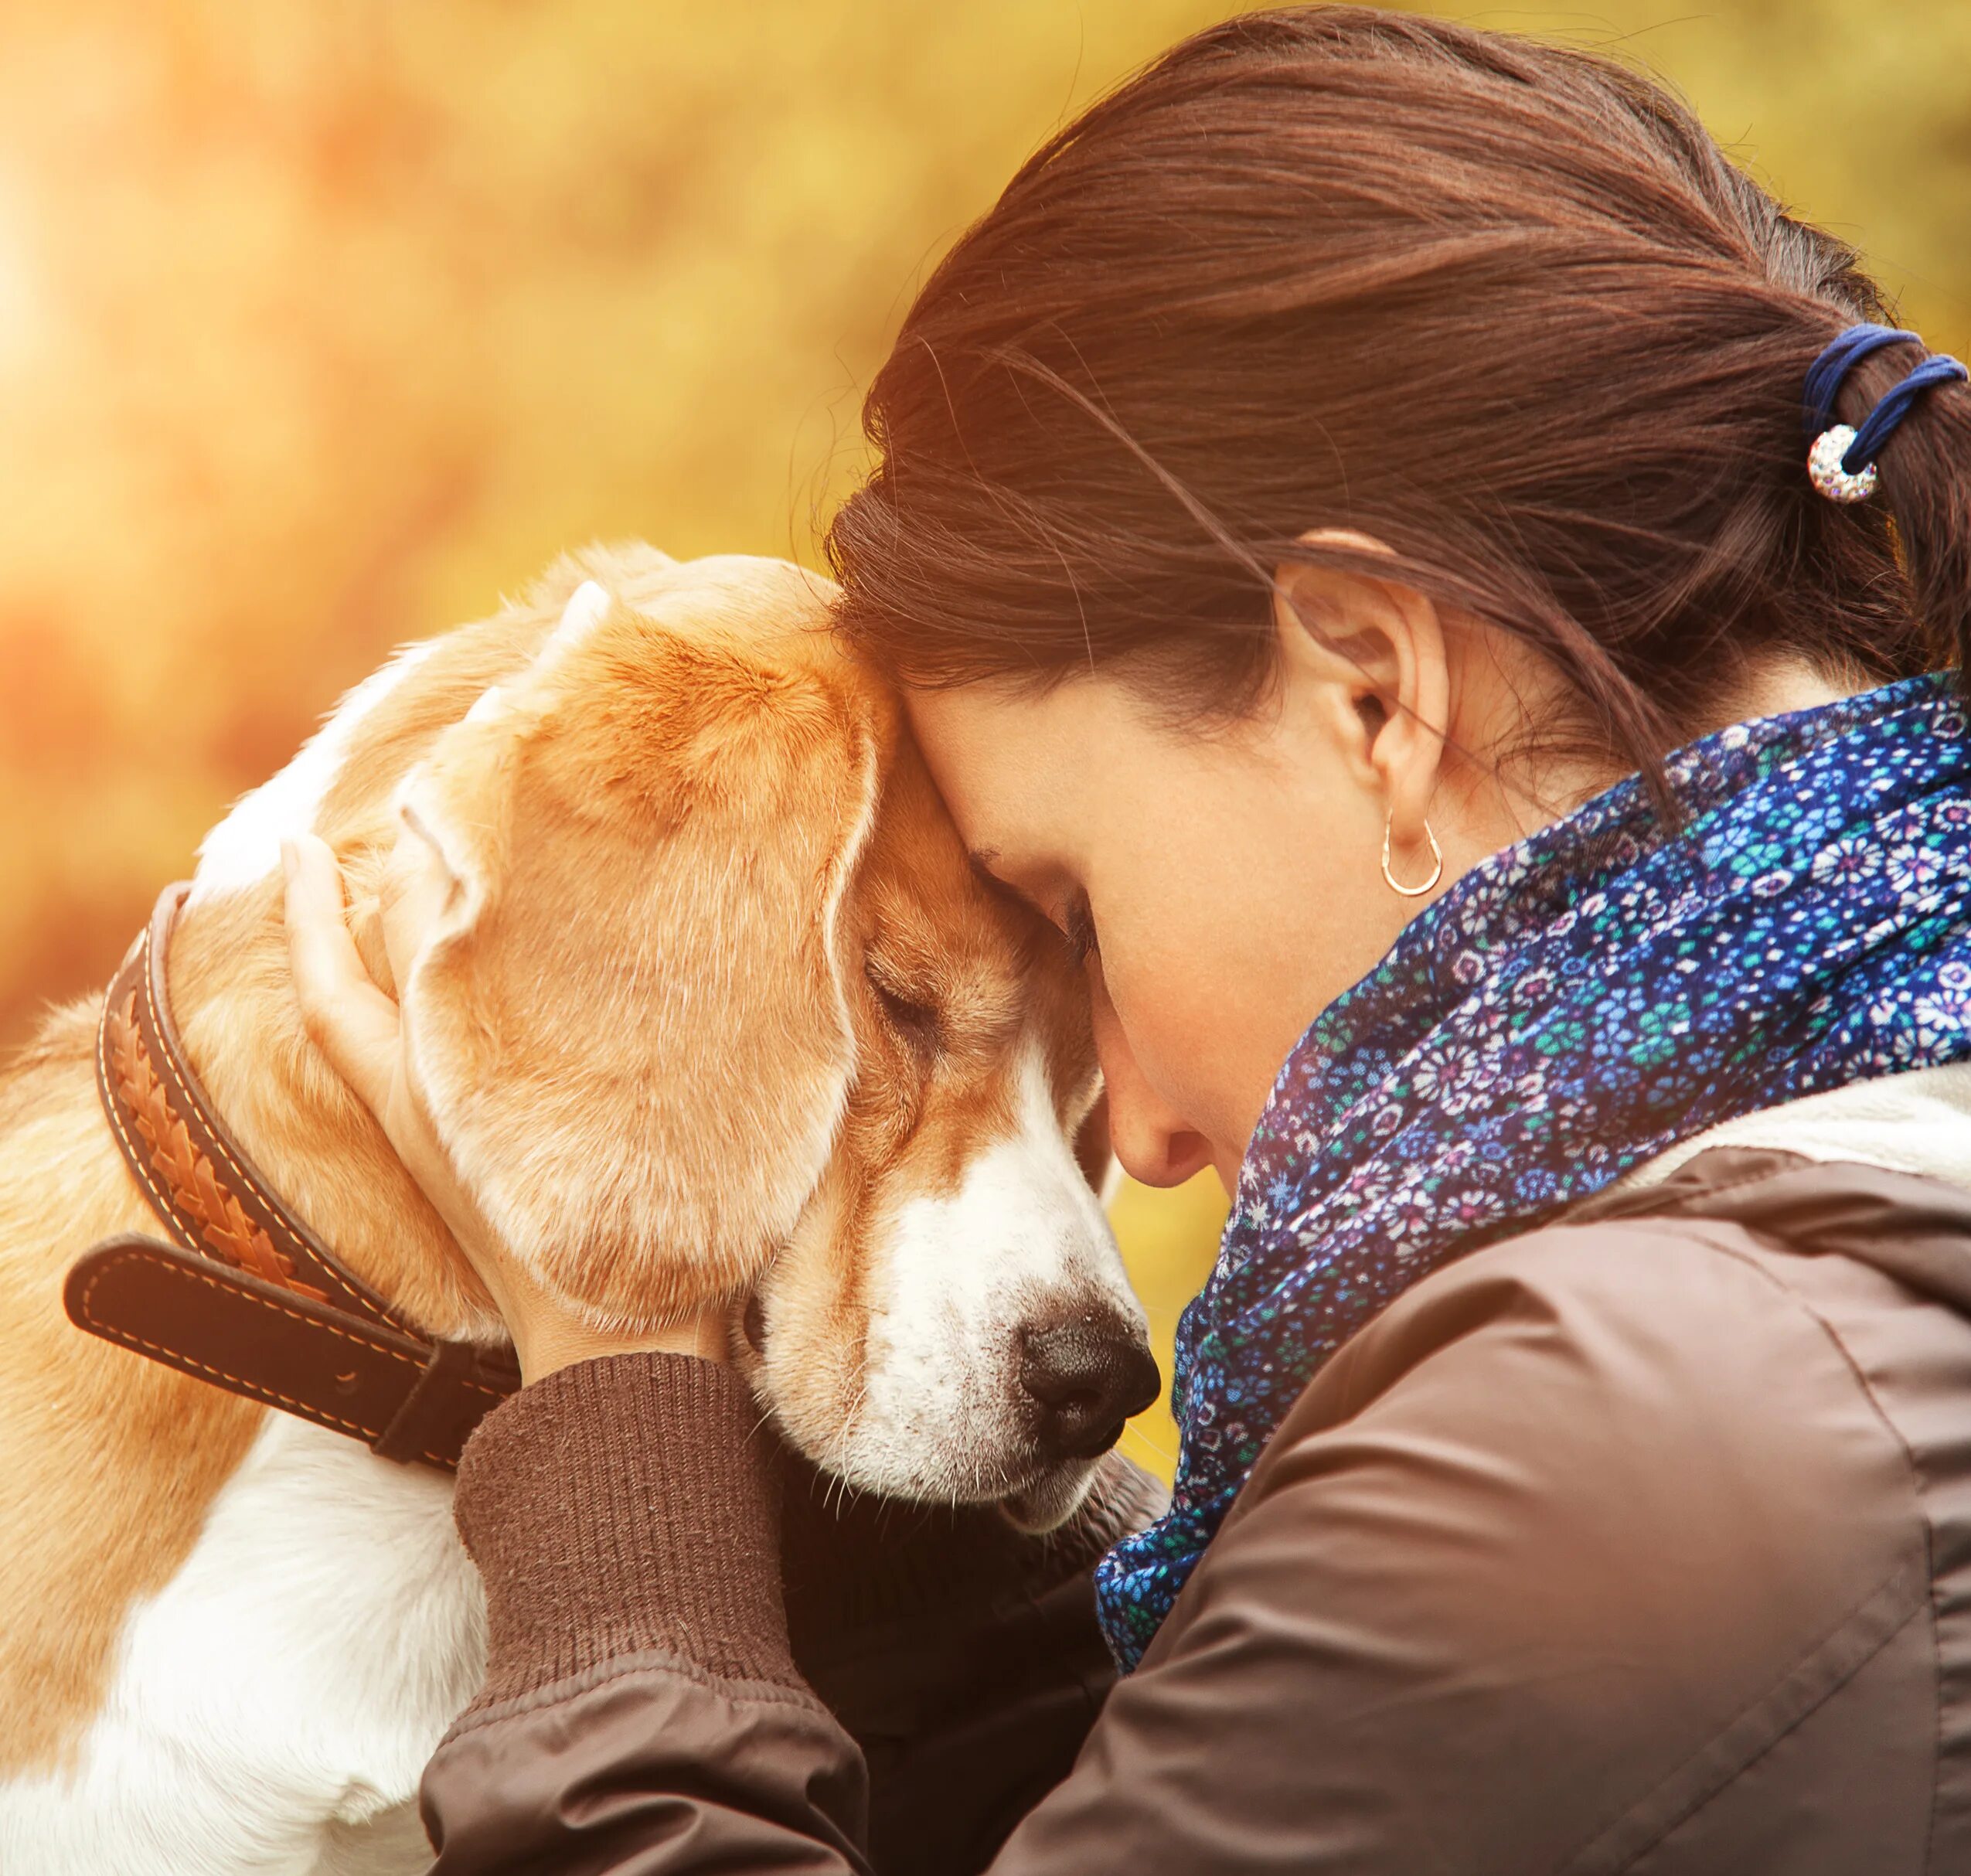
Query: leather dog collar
{"points": [[248, 1297]]}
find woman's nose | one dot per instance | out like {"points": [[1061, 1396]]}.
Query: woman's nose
{"points": [[1154, 1144], [1155, 1147]]}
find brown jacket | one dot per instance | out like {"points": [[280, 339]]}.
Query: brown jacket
{"points": [[1641, 1542]]}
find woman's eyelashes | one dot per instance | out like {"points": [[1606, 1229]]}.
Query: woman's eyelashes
{"points": [[1074, 921], [1079, 923]]}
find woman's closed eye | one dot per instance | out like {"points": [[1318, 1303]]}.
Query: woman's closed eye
{"points": [[1078, 921], [1075, 920]]}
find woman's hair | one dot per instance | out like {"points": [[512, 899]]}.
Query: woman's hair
{"points": [[1504, 307]]}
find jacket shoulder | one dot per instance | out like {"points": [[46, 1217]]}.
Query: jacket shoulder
{"points": [[1623, 1507], [1686, 1381]]}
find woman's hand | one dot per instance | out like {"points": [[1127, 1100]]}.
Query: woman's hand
{"points": [[356, 1026]]}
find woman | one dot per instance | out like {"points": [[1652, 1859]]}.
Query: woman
{"points": [[1344, 525]]}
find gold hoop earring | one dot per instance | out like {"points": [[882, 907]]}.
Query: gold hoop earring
{"points": [[1437, 862]]}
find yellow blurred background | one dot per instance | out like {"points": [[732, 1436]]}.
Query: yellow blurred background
{"points": [[320, 325]]}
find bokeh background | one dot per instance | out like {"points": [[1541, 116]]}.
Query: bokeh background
{"points": [[321, 324]]}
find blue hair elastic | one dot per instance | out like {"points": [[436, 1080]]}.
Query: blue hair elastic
{"points": [[1841, 462]]}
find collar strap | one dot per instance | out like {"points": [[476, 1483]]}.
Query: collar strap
{"points": [[247, 1297]]}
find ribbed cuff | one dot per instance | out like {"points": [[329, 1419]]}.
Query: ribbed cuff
{"points": [[620, 1505]]}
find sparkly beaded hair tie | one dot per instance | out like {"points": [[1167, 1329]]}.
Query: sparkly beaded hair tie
{"points": [[1841, 463]]}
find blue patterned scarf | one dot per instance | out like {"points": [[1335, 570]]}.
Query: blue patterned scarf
{"points": [[1572, 1006]]}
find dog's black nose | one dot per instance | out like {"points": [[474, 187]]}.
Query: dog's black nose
{"points": [[1087, 1373]]}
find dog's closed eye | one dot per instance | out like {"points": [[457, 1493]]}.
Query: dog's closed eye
{"points": [[915, 1020]]}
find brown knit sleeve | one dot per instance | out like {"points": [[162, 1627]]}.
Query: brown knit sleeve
{"points": [[642, 1709], [620, 1507]]}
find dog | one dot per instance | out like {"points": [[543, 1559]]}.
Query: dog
{"points": [[717, 1012]]}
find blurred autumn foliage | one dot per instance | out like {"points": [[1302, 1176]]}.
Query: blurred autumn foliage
{"points": [[322, 325]]}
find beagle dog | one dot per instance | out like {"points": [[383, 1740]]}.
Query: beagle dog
{"points": [[716, 1013]]}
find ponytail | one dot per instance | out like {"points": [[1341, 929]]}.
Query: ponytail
{"points": [[1922, 473], [1503, 307]]}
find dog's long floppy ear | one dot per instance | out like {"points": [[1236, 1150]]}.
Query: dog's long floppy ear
{"points": [[631, 1022]]}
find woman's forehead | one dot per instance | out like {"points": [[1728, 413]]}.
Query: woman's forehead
{"points": [[1012, 765]]}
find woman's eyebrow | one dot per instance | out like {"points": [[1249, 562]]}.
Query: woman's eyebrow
{"points": [[982, 860]]}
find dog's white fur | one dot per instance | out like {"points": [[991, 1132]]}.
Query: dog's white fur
{"points": [[269, 1709], [274, 1706], [244, 849], [960, 1264]]}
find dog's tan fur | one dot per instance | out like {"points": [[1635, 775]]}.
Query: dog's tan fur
{"points": [[690, 851], [93, 1523]]}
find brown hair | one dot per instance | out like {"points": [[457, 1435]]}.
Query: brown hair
{"points": [[1504, 306]]}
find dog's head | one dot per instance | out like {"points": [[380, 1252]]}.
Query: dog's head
{"points": [[716, 1013]]}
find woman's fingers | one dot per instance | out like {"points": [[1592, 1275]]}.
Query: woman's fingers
{"points": [[348, 1018], [358, 1028]]}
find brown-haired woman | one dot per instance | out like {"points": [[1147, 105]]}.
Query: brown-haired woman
{"points": [[1374, 532]]}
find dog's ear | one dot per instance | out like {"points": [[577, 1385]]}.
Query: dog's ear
{"points": [[630, 1018]]}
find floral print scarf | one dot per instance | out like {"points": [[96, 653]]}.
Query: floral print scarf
{"points": [[1569, 1009]]}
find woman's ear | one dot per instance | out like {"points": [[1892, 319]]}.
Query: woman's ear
{"points": [[1368, 656]]}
